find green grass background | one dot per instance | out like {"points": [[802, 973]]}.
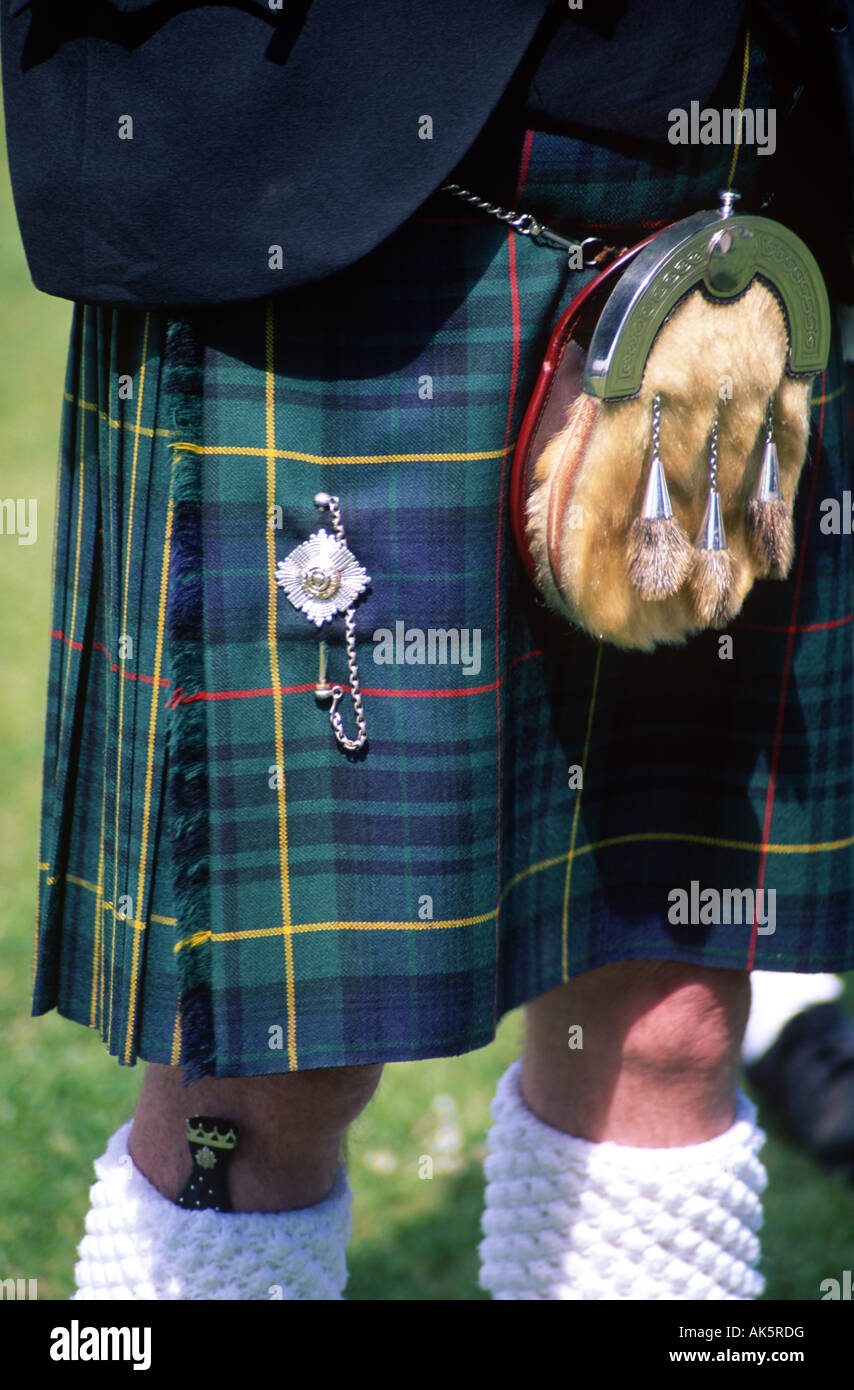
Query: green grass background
{"points": [[60, 1093]]}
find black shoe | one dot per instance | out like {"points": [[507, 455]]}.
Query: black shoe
{"points": [[806, 1081]]}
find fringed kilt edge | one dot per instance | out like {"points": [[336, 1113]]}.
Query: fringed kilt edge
{"points": [[187, 744]]}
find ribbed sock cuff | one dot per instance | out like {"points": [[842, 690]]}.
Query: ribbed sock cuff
{"points": [[567, 1218]]}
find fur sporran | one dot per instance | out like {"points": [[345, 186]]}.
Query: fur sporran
{"points": [[657, 465]]}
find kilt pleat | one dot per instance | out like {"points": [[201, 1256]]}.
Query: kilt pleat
{"points": [[344, 909], [104, 753]]}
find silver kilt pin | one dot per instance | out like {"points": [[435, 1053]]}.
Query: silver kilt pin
{"points": [[322, 578]]}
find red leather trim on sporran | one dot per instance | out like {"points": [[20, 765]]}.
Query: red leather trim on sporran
{"points": [[558, 384]]}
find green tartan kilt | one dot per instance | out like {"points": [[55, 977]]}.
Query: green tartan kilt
{"points": [[221, 885]]}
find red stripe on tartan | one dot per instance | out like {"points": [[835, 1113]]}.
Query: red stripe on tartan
{"points": [[71, 641], [390, 693], [366, 690], [114, 665], [250, 694], [374, 691], [784, 686], [795, 627], [211, 695], [571, 643]]}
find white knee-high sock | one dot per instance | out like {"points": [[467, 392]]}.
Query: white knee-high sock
{"points": [[569, 1219], [138, 1244]]}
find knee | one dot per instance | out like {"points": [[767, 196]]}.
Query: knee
{"points": [[661, 1044], [323, 1101], [683, 1018], [661, 1016], [290, 1130], [330, 1097]]}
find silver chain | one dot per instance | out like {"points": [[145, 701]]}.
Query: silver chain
{"points": [[334, 508], [656, 427], [337, 692], [713, 457], [527, 225]]}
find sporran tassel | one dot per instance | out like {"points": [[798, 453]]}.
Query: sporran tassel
{"points": [[769, 521], [658, 553], [714, 569]]}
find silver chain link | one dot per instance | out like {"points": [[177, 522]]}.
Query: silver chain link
{"points": [[713, 457], [353, 744], [522, 222], [337, 692], [656, 427], [527, 225]]}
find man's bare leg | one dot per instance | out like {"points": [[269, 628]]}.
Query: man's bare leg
{"points": [[287, 1234], [291, 1127], [627, 1167], [660, 1054]]}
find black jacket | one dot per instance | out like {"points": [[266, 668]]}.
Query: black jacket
{"points": [[323, 154], [171, 153]]}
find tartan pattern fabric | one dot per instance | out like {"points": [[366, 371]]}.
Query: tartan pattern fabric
{"points": [[394, 904]]}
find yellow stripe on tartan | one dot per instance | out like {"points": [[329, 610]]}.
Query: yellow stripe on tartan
{"points": [[749, 846], [199, 938], [175, 1059], [149, 770], [252, 933], [128, 542], [293, 928], [108, 906], [132, 922], [112, 605], [190, 446], [278, 716], [745, 71], [564, 926], [246, 451], [113, 423], [97, 945], [825, 400], [102, 964], [717, 842]]}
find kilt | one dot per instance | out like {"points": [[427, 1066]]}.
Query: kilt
{"points": [[222, 887]]}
